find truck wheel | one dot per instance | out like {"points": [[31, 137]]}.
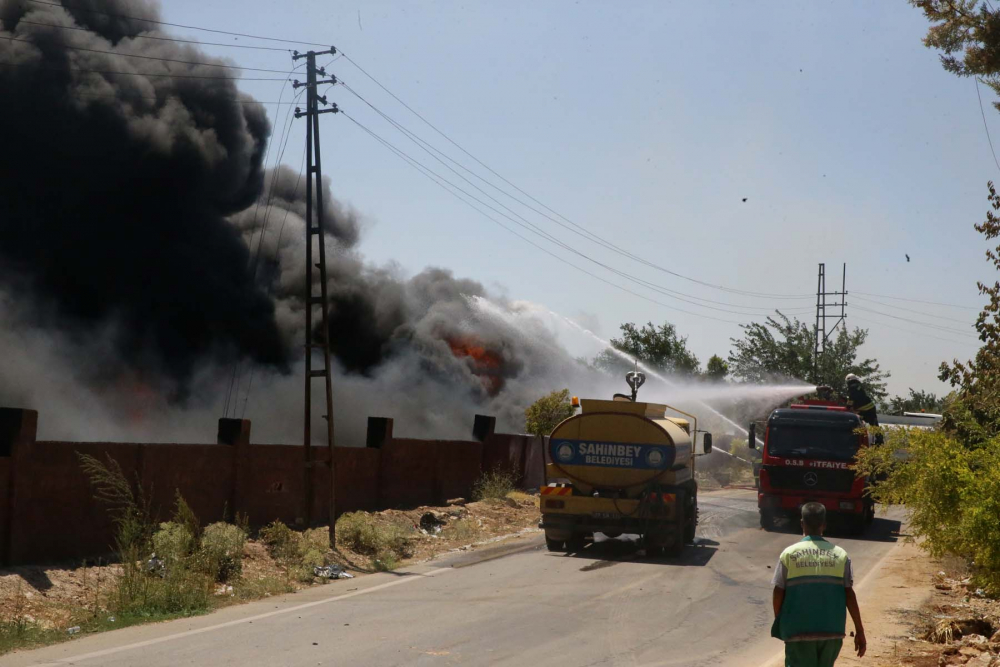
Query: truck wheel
{"points": [[692, 521], [767, 519], [680, 532], [575, 543], [555, 545], [858, 523]]}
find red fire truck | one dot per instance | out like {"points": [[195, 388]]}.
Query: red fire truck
{"points": [[808, 455]]}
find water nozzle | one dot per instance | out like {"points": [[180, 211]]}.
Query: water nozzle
{"points": [[635, 379]]}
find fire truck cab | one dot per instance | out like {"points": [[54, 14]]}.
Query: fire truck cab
{"points": [[808, 456]]}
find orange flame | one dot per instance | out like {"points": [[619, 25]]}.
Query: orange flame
{"points": [[486, 364]]}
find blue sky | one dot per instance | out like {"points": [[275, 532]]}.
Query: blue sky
{"points": [[647, 124]]}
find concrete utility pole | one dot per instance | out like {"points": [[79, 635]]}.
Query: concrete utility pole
{"points": [[314, 230], [822, 335]]}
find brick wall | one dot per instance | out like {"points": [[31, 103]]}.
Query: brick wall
{"points": [[48, 512]]}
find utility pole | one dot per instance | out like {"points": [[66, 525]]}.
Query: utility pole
{"points": [[314, 232], [821, 331]]}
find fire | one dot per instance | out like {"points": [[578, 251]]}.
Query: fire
{"points": [[486, 364]]}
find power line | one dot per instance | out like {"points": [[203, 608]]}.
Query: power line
{"points": [[125, 97], [915, 333], [149, 74], [441, 183], [923, 324], [986, 126], [174, 25], [910, 310], [165, 60], [162, 39], [434, 152], [929, 303], [548, 237], [578, 228]]}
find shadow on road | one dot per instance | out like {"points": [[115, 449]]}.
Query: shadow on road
{"points": [[881, 530], [607, 551]]}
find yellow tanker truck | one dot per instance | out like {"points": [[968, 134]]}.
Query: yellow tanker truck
{"points": [[622, 467]]}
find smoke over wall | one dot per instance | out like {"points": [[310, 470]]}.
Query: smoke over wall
{"points": [[145, 250], [149, 259]]}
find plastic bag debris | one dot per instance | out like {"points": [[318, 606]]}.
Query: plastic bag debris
{"points": [[155, 565], [432, 522], [332, 572]]}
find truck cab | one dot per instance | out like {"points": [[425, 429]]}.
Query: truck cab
{"points": [[808, 456]]}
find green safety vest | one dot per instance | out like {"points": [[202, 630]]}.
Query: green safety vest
{"points": [[815, 598]]}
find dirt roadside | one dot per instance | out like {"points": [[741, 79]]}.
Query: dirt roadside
{"points": [[45, 604]]}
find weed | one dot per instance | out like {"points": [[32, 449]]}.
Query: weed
{"points": [[174, 543], [220, 554], [261, 587], [385, 542], [299, 553], [493, 485], [462, 529], [385, 562]]}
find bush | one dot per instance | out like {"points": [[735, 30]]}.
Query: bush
{"points": [[493, 485], [951, 490], [173, 542], [385, 542], [299, 553], [221, 551], [280, 540]]}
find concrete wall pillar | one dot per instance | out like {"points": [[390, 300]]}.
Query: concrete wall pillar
{"points": [[235, 433], [18, 429], [483, 427], [379, 432]]}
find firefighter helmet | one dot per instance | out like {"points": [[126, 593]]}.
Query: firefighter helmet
{"points": [[851, 377]]}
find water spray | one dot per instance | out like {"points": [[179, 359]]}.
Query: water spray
{"points": [[796, 390]]}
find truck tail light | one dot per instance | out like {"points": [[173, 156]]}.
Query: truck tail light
{"points": [[555, 504]]}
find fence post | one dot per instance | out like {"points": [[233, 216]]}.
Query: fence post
{"points": [[235, 433], [18, 429]]}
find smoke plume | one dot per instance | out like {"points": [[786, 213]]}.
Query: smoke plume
{"points": [[145, 252], [152, 269]]}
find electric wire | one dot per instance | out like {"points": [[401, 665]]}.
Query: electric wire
{"points": [[143, 57], [548, 237], [923, 324], [915, 333], [930, 303], [986, 125], [234, 381], [580, 229], [160, 38], [910, 310], [174, 25], [430, 150], [169, 75], [441, 183]]}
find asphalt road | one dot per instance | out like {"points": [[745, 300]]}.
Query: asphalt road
{"points": [[514, 605]]}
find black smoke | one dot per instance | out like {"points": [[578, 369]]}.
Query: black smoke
{"points": [[115, 189], [146, 251]]}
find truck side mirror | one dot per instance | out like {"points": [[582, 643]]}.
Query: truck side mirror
{"points": [[707, 443], [752, 436]]}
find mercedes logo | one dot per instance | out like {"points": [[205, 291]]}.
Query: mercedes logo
{"points": [[810, 478]]}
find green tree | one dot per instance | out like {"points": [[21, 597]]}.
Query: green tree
{"points": [[716, 369], [917, 401], [783, 348], [658, 347], [968, 34], [545, 414], [975, 416]]}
